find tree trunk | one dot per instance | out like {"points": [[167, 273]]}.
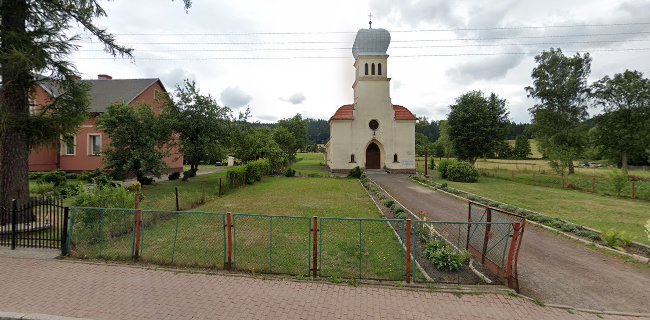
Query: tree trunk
{"points": [[624, 161], [14, 109], [572, 170]]}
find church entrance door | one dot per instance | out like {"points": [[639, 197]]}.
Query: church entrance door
{"points": [[372, 156]]}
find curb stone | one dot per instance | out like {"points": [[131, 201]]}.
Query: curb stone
{"points": [[34, 316]]}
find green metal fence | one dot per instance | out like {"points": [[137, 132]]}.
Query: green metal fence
{"points": [[272, 244], [336, 248], [361, 248]]}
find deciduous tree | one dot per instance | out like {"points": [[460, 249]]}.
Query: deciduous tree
{"points": [[476, 124], [623, 129], [560, 86], [138, 140]]}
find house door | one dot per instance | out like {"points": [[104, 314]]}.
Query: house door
{"points": [[372, 156]]}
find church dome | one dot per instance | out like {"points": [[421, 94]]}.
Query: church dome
{"points": [[371, 42]]}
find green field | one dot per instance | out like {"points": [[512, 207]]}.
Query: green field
{"points": [[598, 212], [264, 242], [310, 165]]}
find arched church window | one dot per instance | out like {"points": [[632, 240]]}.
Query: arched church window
{"points": [[373, 69], [379, 69], [395, 158], [366, 69], [373, 124], [352, 158]]}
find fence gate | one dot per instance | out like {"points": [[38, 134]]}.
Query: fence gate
{"points": [[39, 223]]}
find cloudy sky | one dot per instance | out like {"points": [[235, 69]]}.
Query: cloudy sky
{"points": [[285, 57]]}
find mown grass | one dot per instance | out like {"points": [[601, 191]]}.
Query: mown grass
{"points": [[598, 212], [264, 242], [310, 165], [162, 195]]}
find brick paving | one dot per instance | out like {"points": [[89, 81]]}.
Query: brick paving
{"points": [[99, 291]]}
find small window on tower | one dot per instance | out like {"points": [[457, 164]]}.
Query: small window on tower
{"points": [[395, 158], [352, 158], [366, 69], [373, 69], [379, 69]]}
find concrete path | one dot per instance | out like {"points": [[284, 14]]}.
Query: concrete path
{"points": [[98, 291], [552, 269]]}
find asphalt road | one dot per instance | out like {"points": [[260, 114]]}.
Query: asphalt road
{"points": [[552, 268]]}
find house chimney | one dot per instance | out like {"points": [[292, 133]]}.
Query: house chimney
{"points": [[104, 77]]}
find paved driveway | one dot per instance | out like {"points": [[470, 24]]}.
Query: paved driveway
{"points": [[552, 268], [97, 291]]}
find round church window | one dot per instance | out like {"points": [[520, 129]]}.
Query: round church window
{"points": [[373, 124]]}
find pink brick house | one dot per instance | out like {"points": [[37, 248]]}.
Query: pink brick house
{"points": [[82, 152]]}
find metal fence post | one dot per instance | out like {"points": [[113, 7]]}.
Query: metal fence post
{"points": [[511, 253], [408, 250], [315, 247], [14, 218], [229, 246], [64, 232], [469, 225], [178, 207], [138, 229], [486, 237]]}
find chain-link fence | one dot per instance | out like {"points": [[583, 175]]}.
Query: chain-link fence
{"points": [[272, 244], [337, 248], [361, 248]]}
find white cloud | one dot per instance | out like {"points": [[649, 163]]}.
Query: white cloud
{"points": [[296, 98], [234, 97]]}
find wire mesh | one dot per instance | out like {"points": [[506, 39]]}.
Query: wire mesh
{"points": [[360, 248], [272, 244], [102, 233]]}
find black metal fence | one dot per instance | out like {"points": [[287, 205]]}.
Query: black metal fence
{"points": [[41, 222]]}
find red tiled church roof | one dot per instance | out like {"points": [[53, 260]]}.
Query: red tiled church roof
{"points": [[346, 112], [401, 113]]}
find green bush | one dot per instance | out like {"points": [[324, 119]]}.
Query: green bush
{"points": [[189, 174], [619, 180], [174, 175], [56, 178], [105, 197], [613, 238], [145, 181], [41, 189], [461, 171], [69, 189], [446, 258], [290, 173], [389, 204], [249, 173], [355, 173], [432, 164], [443, 165], [35, 175], [593, 236], [71, 176]]}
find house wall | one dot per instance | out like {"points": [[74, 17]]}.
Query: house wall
{"points": [[42, 158], [51, 158]]}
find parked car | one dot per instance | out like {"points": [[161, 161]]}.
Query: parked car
{"points": [[218, 164]]}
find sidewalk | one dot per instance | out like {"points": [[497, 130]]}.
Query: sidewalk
{"points": [[101, 291]]}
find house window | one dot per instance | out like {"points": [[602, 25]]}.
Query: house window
{"points": [[379, 69], [68, 145], [94, 144], [373, 69], [395, 158], [352, 158], [366, 69]]}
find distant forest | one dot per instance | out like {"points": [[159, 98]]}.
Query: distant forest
{"points": [[318, 130]]}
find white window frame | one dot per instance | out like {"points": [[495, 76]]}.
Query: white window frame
{"points": [[90, 144], [64, 146]]}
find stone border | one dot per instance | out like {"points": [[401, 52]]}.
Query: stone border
{"points": [[637, 258], [33, 316]]}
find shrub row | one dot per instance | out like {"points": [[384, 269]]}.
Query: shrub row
{"points": [[459, 171], [249, 173]]}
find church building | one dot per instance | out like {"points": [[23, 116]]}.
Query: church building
{"points": [[372, 133]]}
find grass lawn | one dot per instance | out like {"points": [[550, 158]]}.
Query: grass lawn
{"points": [[264, 242], [311, 165], [599, 212]]}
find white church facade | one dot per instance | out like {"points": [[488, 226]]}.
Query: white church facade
{"points": [[372, 133]]}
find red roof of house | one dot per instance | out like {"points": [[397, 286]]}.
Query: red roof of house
{"points": [[345, 112], [401, 113]]}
